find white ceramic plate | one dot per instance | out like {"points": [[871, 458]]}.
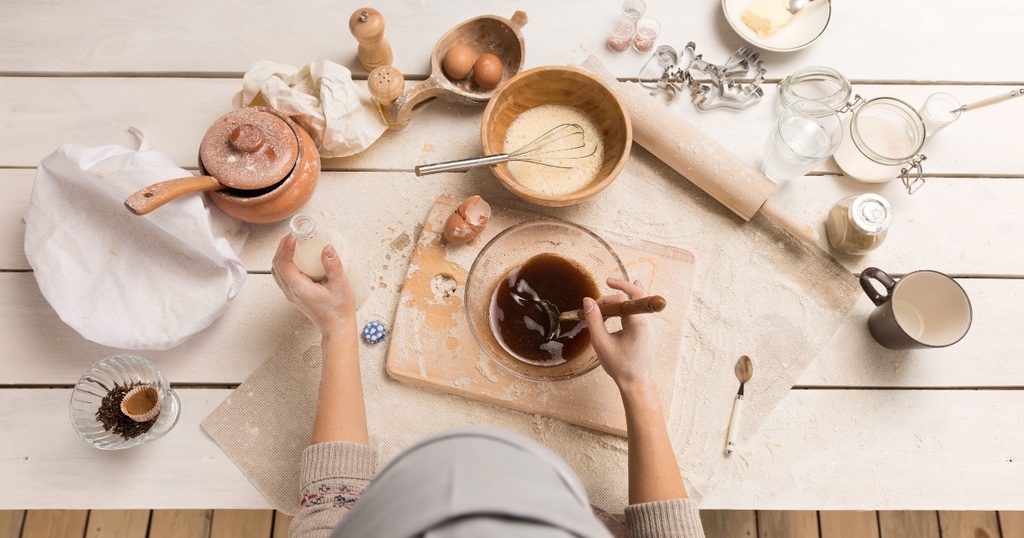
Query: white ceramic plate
{"points": [[802, 30]]}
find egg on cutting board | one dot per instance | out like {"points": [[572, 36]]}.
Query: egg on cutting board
{"points": [[458, 61], [487, 71]]}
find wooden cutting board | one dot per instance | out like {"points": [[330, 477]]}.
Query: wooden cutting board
{"points": [[431, 344]]}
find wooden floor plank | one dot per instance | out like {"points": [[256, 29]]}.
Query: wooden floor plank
{"points": [[281, 522], [787, 524], [242, 524], [10, 522], [1011, 524], [117, 524], [54, 524], [729, 523], [848, 524], [180, 524], [908, 524], [972, 524]]}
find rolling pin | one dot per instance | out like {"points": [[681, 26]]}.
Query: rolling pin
{"points": [[706, 163]]}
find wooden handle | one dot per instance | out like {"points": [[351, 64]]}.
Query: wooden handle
{"points": [[158, 194], [646, 305], [398, 113], [367, 26], [800, 230], [734, 426]]}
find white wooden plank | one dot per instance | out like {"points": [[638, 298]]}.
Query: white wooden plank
{"points": [[383, 231], [957, 225], [989, 356], [41, 349], [48, 466], [869, 40], [820, 450], [44, 112], [881, 450]]}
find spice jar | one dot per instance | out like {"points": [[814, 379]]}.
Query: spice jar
{"points": [[881, 141], [858, 224], [816, 83]]}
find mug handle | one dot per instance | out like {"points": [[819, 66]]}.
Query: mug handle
{"points": [[882, 277]]}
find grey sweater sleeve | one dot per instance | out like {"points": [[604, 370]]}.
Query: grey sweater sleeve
{"points": [[332, 477], [676, 518]]}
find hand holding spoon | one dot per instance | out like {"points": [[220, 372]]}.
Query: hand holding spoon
{"points": [[645, 305], [744, 371]]}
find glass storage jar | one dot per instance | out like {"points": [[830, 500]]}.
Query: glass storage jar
{"points": [[881, 141], [858, 224], [816, 83]]}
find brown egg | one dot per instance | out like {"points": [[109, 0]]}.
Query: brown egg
{"points": [[458, 61], [467, 221], [487, 71]]}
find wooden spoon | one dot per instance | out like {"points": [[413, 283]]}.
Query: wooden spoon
{"points": [[646, 305], [744, 371]]}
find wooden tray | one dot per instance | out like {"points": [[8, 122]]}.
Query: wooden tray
{"points": [[432, 346]]}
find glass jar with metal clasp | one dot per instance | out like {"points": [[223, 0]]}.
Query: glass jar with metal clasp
{"points": [[882, 140]]}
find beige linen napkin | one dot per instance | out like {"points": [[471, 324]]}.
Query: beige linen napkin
{"points": [[756, 292]]}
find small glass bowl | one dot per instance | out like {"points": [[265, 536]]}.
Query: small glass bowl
{"points": [[98, 380], [816, 83], [512, 248]]}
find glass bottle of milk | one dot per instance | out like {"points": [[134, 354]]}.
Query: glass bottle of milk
{"points": [[310, 240]]}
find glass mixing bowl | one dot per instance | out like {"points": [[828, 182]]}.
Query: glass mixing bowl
{"points": [[511, 249]]}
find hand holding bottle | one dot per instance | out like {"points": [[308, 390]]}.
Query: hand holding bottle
{"points": [[329, 303]]}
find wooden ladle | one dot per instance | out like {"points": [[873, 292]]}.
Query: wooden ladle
{"points": [[488, 33]]}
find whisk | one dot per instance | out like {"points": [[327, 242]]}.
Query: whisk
{"points": [[561, 143]]}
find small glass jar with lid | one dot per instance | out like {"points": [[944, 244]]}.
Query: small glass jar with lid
{"points": [[816, 83], [858, 224]]}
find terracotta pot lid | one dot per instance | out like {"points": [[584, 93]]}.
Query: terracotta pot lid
{"points": [[250, 148]]}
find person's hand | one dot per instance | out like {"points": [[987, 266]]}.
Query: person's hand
{"points": [[330, 303], [627, 355]]}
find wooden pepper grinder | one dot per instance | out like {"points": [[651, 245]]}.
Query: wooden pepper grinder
{"points": [[367, 26], [386, 84]]}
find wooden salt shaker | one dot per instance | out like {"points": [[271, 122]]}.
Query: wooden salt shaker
{"points": [[367, 26], [386, 84]]}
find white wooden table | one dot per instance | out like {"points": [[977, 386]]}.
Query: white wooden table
{"points": [[863, 429]]}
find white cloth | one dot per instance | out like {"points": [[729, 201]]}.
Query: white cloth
{"points": [[321, 97], [121, 280]]}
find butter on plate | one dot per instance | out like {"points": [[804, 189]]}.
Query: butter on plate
{"points": [[765, 17]]}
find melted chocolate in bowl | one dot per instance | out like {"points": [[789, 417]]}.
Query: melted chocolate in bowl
{"points": [[558, 261], [520, 325]]}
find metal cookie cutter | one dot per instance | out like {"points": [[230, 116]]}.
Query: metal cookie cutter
{"points": [[725, 88]]}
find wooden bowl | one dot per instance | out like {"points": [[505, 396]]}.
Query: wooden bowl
{"points": [[559, 85]]}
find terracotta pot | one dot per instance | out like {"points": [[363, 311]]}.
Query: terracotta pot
{"points": [[257, 166]]}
